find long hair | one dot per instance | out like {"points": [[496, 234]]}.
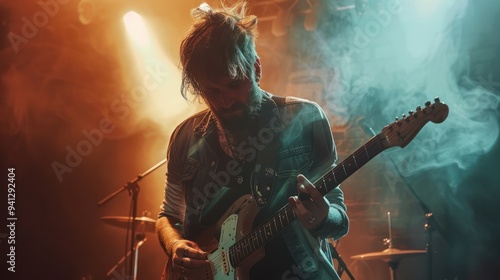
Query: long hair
{"points": [[221, 42]]}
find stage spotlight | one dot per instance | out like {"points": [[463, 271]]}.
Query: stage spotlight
{"points": [[136, 28], [154, 74]]}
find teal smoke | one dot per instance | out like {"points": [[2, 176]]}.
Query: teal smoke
{"points": [[390, 57]]}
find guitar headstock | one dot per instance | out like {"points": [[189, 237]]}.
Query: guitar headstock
{"points": [[402, 131]]}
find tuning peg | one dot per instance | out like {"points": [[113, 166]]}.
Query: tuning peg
{"points": [[410, 113], [404, 116], [437, 99], [398, 122], [427, 104], [416, 114]]}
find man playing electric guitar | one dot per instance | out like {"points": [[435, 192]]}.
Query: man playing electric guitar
{"points": [[232, 167]]}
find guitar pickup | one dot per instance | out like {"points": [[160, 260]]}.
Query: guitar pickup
{"points": [[225, 262]]}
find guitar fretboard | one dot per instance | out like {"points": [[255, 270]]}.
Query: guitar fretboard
{"points": [[266, 231]]}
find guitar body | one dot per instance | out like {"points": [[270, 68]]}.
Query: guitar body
{"points": [[235, 224]]}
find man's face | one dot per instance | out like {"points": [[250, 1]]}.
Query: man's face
{"points": [[234, 102]]}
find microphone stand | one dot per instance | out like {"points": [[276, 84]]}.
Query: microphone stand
{"points": [[429, 216], [429, 227], [133, 189]]}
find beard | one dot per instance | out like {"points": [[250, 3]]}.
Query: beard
{"points": [[242, 116]]}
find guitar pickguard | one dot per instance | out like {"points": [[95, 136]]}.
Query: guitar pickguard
{"points": [[221, 265], [235, 224]]}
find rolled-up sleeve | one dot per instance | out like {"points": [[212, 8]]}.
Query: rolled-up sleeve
{"points": [[173, 204]]}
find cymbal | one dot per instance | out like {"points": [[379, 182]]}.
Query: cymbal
{"points": [[146, 223], [389, 255]]}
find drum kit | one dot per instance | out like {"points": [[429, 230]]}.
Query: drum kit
{"points": [[142, 224], [391, 256], [138, 227]]}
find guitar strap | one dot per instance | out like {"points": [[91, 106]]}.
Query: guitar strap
{"points": [[266, 164]]}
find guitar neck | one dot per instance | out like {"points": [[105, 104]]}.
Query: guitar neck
{"points": [[351, 164], [265, 232]]}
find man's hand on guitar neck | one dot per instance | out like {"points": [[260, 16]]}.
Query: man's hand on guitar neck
{"points": [[187, 256], [310, 206]]}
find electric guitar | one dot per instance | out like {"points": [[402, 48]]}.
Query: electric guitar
{"points": [[240, 247]]}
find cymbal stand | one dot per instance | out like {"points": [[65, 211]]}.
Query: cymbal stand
{"points": [[136, 257], [388, 241], [428, 229], [393, 265], [342, 265], [133, 189]]}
